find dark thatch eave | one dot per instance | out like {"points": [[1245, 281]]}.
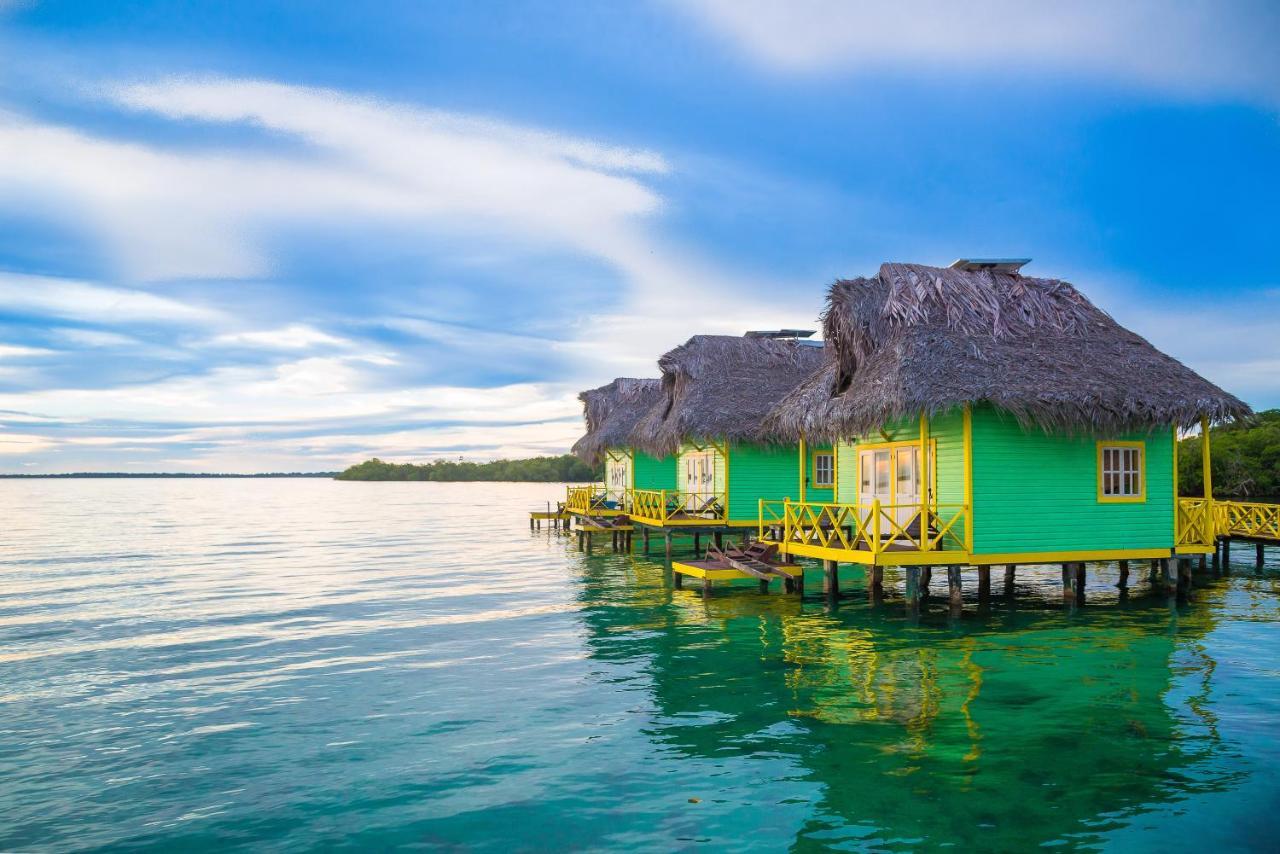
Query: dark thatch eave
{"points": [[916, 339], [720, 387], [611, 413]]}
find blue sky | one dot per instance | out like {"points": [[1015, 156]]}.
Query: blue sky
{"points": [[288, 236]]}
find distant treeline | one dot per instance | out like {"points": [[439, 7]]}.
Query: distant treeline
{"points": [[1246, 459], [154, 474], [538, 469]]}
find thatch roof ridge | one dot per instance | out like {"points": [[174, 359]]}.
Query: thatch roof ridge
{"points": [[915, 339], [612, 411], [721, 387]]}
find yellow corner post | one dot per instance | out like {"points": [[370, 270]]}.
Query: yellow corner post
{"points": [[1206, 458], [804, 465]]}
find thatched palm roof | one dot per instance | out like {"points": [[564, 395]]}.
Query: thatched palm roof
{"points": [[611, 413], [916, 339], [721, 387]]}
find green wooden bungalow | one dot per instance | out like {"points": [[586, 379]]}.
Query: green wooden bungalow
{"points": [[611, 413], [716, 390], [984, 417]]}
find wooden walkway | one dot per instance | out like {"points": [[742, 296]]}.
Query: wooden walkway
{"points": [[1248, 522]]}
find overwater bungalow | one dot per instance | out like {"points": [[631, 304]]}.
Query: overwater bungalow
{"points": [[716, 391], [985, 417], [611, 413]]}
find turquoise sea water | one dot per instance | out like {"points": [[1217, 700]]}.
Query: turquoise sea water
{"points": [[304, 664]]}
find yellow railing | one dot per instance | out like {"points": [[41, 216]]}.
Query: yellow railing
{"points": [[772, 519], [673, 506], [1196, 522], [1246, 519], [587, 499], [874, 528]]}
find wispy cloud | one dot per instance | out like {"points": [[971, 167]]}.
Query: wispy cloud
{"points": [[1191, 47], [71, 299], [170, 212], [295, 336]]}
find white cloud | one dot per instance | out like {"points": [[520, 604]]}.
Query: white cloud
{"points": [[77, 300], [93, 338], [173, 212], [23, 443], [299, 392], [295, 336], [16, 351], [1184, 47]]}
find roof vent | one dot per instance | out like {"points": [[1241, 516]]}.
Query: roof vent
{"points": [[780, 334], [995, 265]]}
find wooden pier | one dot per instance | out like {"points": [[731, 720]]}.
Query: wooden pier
{"points": [[1246, 522], [555, 518], [758, 562]]}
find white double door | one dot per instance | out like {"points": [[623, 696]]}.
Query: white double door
{"points": [[699, 478], [617, 478], [892, 477]]}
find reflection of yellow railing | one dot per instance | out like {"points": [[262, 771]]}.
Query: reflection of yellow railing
{"points": [[1246, 519], [588, 499], [664, 506], [875, 527], [1196, 523]]}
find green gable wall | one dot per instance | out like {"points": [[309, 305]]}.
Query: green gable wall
{"points": [[652, 473], [1034, 492], [946, 433]]}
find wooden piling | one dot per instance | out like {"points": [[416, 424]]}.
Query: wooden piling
{"points": [[1123, 583], [706, 588], [1226, 554], [677, 580], [719, 540], [926, 575], [697, 544], [1068, 577], [984, 586], [875, 586], [913, 590], [1204, 563], [1261, 555], [956, 591], [1078, 583], [831, 578], [644, 537], [1010, 572], [666, 535], [1184, 580], [764, 585], [590, 537], [1166, 579]]}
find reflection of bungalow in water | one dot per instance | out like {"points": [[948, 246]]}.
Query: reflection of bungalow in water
{"points": [[716, 390], [611, 413], [985, 417], [906, 739]]}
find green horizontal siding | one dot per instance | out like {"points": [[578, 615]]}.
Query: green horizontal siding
{"points": [[1034, 492], [758, 471], [653, 473]]}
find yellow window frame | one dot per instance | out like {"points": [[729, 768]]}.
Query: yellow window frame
{"points": [[813, 468], [1141, 497]]}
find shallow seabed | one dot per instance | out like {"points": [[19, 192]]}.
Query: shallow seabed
{"points": [[302, 664]]}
